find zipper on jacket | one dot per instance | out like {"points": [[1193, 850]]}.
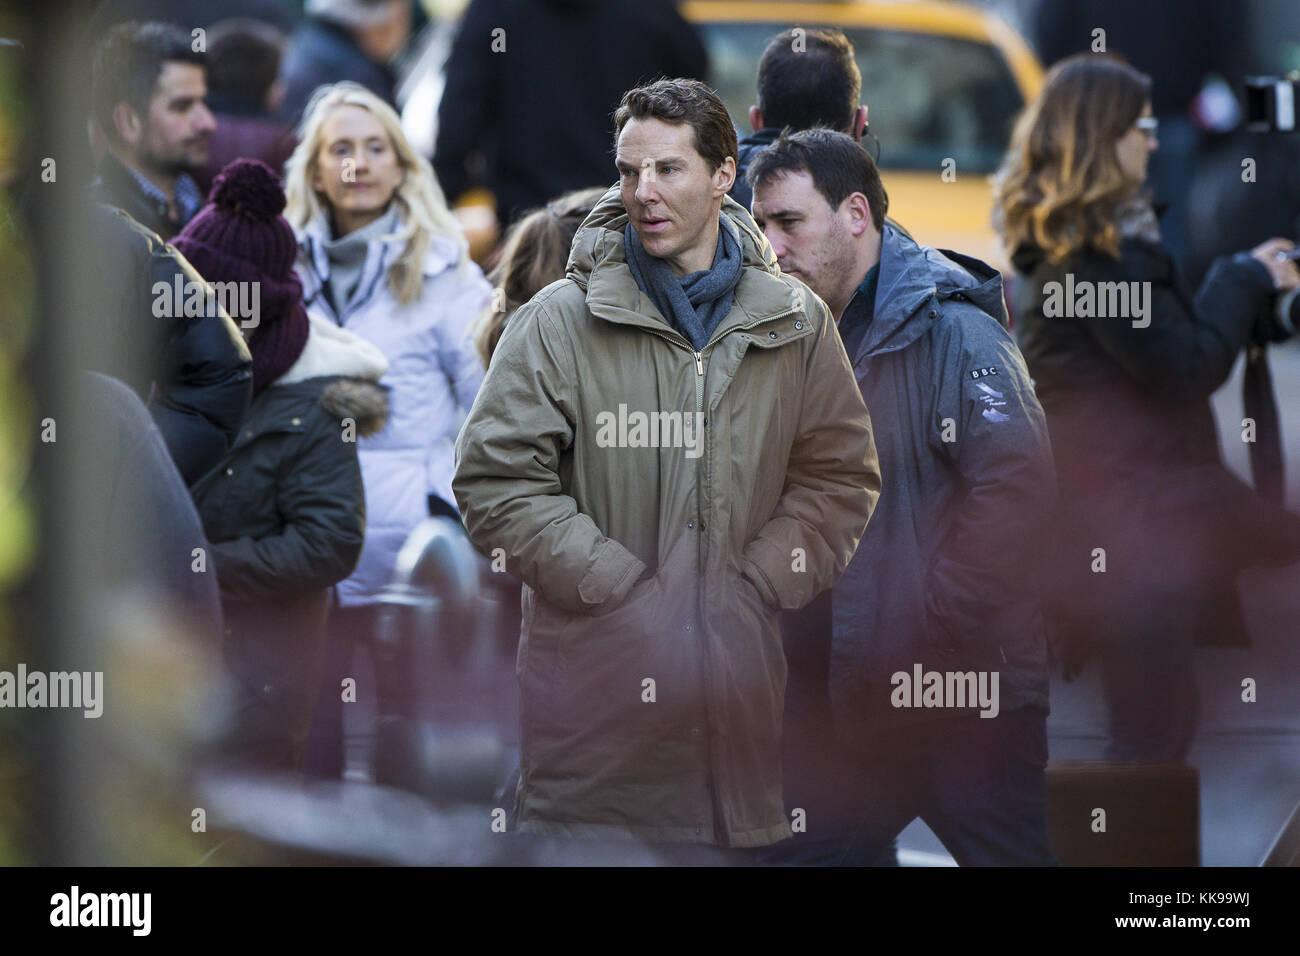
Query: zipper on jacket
{"points": [[699, 382], [706, 663]]}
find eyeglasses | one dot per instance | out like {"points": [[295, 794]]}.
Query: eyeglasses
{"points": [[1148, 125]]}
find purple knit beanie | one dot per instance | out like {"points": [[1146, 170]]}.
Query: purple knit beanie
{"points": [[240, 236]]}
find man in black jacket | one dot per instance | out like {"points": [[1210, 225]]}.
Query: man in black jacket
{"points": [[806, 78], [532, 87], [149, 90], [197, 367]]}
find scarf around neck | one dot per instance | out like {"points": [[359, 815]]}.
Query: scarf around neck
{"points": [[694, 303], [347, 256]]}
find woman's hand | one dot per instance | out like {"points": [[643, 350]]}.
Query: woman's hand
{"points": [[1283, 271]]}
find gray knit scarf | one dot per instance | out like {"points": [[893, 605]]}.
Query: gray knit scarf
{"points": [[694, 303]]}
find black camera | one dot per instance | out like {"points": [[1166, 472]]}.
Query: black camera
{"points": [[1286, 312], [1271, 103]]}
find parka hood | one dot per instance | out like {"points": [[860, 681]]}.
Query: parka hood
{"points": [[601, 235], [598, 266], [334, 351], [913, 282]]}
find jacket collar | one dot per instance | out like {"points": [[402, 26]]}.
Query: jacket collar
{"points": [[444, 253], [332, 350], [598, 264], [120, 181], [762, 137], [913, 283]]}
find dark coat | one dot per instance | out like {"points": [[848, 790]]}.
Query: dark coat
{"points": [[115, 186], [541, 110], [747, 149], [1136, 446], [321, 52], [200, 366], [285, 512], [142, 521], [941, 576], [246, 136]]}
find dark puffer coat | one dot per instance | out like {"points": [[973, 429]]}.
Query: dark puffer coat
{"points": [[285, 512], [200, 366]]}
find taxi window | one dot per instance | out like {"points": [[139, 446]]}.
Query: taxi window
{"points": [[930, 97]]}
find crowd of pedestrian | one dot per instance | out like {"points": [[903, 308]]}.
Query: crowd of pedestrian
{"points": [[778, 483]]}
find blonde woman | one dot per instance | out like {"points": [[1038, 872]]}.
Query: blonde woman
{"points": [[380, 254]]}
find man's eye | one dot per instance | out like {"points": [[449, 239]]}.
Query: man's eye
{"points": [[668, 169]]}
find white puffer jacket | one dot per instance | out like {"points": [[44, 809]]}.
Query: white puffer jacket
{"points": [[433, 375]]}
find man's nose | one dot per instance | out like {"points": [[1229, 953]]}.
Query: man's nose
{"points": [[206, 121], [646, 191], [778, 247]]}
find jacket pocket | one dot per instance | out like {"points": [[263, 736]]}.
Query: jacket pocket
{"points": [[752, 662], [629, 672], [590, 633]]}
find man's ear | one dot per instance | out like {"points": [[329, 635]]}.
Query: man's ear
{"points": [[755, 118], [859, 211], [724, 177], [859, 123], [127, 124]]}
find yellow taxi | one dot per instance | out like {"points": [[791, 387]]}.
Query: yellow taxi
{"points": [[942, 83]]}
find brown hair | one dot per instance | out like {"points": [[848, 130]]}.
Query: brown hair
{"points": [[1061, 185], [837, 164], [683, 101], [533, 256]]}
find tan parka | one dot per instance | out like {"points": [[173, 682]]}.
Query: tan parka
{"points": [[655, 557]]}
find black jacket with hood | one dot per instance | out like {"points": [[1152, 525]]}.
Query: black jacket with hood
{"points": [[285, 512]]}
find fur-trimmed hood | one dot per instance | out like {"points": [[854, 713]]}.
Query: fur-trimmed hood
{"points": [[334, 351], [362, 400]]}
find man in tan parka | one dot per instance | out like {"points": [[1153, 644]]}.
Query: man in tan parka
{"points": [[669, 448]]}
